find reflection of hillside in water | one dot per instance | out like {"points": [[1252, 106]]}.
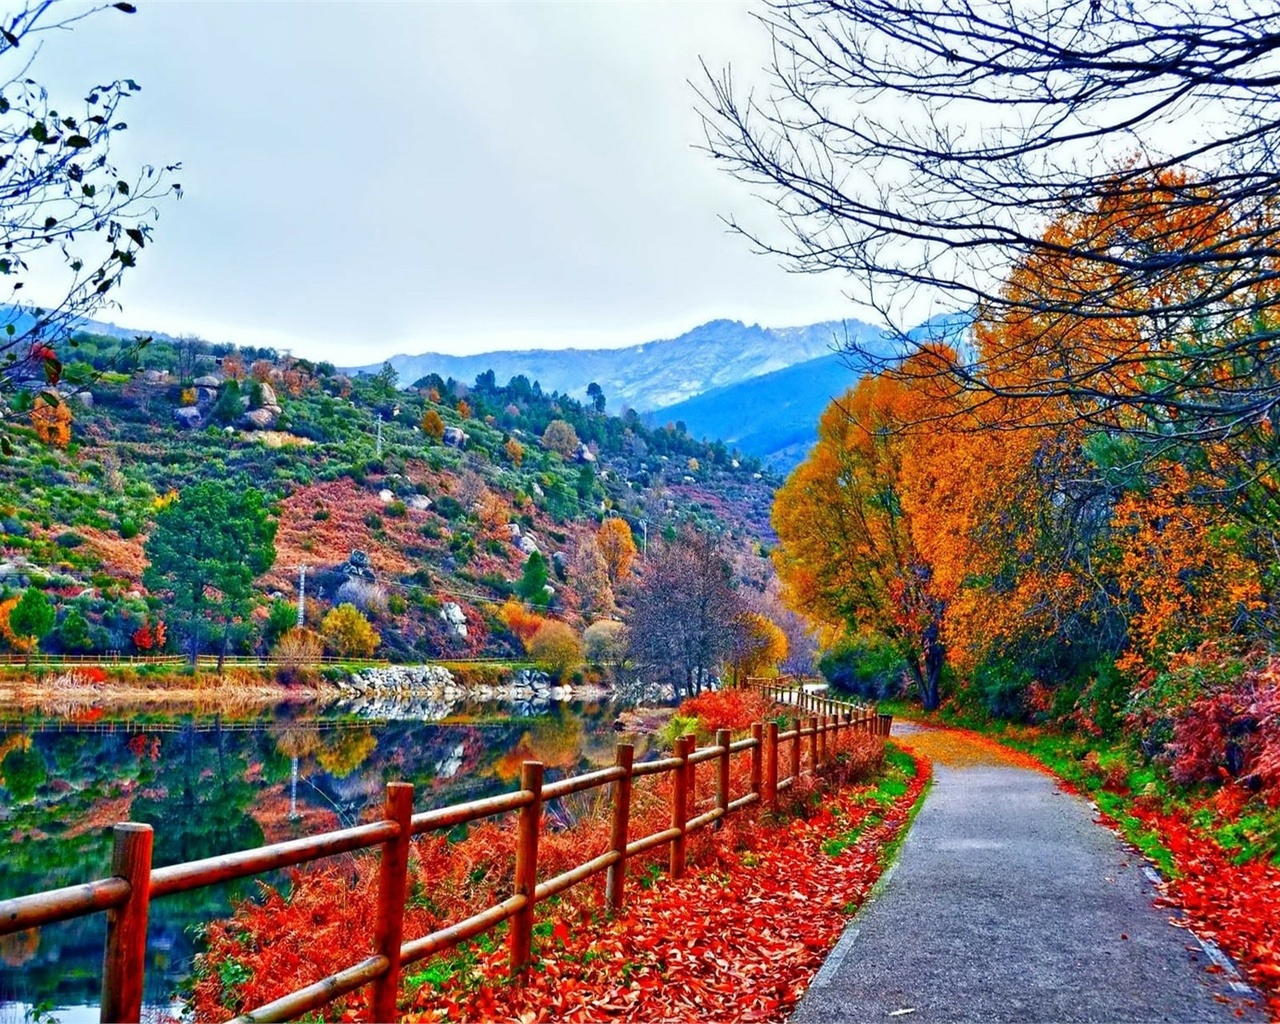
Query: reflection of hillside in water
{"points": [[211, 784]]}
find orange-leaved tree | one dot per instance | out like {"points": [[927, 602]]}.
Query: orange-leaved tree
{"points": [[848, 554], [520, 620], [51, 420], [1187, 570], [432, 424]]}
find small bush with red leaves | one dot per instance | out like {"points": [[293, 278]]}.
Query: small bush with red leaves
{"points": [[1233, 733], [727, 709]]}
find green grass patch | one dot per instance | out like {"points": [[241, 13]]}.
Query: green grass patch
{"points": [[894, 781]]}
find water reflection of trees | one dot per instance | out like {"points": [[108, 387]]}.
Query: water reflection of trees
{"points": [[199, 804], [555, 739]]}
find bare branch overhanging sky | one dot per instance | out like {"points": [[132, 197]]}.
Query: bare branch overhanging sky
{"points": [[365, 179]]}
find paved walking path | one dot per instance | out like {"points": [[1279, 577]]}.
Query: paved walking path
{"points": [[1009, 903]]}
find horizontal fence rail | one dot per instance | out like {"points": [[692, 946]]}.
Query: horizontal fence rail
{"points": [[126, 895], [177, 660]]}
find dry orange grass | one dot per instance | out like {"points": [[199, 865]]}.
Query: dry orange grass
{"points": [[122, 558]]}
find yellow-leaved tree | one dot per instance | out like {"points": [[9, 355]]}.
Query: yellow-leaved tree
{"points": [[617, 548], [348, 634], [760, 647]]}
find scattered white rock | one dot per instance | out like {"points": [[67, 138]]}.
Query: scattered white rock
{"points": [[420, 503], [527, 544], [386, 497], [455, 618]]}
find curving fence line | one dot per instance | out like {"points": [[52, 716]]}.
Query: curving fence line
{"points": [[125, 896]]}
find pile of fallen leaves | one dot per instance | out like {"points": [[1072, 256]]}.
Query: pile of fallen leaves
{"points": [[737, 939]]}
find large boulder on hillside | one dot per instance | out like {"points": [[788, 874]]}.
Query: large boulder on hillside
{"points": [[260, 419], [207, 381], [188, 417], [269, 399], [455, 437], [527, 544], [357, 566], [205, 397]]}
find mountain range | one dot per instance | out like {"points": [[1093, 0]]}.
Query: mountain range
{"points": [[775, 415], [655, 374]]}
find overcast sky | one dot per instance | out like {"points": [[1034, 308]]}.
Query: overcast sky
{"points": [[364, 179]]}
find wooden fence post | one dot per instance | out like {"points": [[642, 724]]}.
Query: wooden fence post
{"points": [[615, 880], [886, 723], [795, 753], [757, 735], [679, 807], [393, 876], [526, 879], [813, 742], [770, 798], [125, 957], [723, 738]]}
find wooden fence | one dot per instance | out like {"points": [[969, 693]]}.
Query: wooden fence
{"points": [[791, 691], [125, 896]]}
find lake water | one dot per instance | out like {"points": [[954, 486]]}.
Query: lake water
{"points": [[212, 783]]}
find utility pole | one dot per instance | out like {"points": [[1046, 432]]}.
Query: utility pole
{"points": [[379, 444], [302, 595]]}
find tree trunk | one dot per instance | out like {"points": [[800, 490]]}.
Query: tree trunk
{"points": [[934, 657], [222, 648]]}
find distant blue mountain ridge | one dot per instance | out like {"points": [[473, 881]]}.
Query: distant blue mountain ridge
{"points": [[774, 416], [23, 321]]}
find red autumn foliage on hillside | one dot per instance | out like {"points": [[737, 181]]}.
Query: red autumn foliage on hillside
{"points": [[1233, 732]]}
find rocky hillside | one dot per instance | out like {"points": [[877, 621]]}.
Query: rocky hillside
{"points": [[423, 505]]}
